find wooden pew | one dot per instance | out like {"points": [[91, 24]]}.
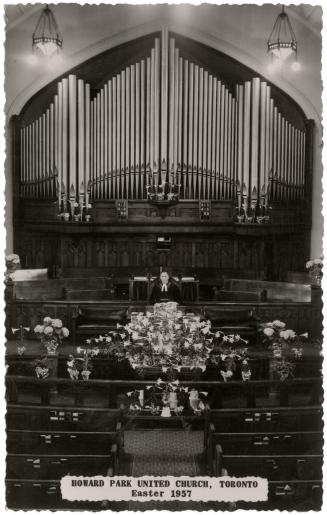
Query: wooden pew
{"points": [[54, 289], [92, 320], [61, 418], [271, 466], [273, 419], [272, 291], [299, 391], [54, 442], [41, 494], [309, 442], [55, 466]]}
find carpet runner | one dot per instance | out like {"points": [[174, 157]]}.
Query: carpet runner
{"points": [[164, 453]]}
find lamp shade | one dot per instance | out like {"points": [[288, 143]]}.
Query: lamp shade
{"points": [[46, 37], [282, 42]]}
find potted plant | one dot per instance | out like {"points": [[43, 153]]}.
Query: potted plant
{"points": [[314, 266], [51, 333], [285, 345], [42, 367]]}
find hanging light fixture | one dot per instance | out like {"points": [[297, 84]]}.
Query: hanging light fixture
{"points": [[282, 42], [46, 37]]}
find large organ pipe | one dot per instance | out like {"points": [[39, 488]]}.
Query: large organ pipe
{"points": [[118, 137], [137, 130], [218, 147], [233, 129], [255, 135], [228, 146], [133, 162], [87, 141], [152, 115], [37, 170], [171, 131], [267, 165], [195, 131], [22, 162], [263, 141], [185, 132], [190, 129], [110, 140], [240, 108], [180, 114], [92, 148], [205, 134], [56, 150], [282, 160], [200, 134], [222, 142], [279, 155], [289, 169], [142, 134], [114, 130], [81, 134], [105, 141], [302, 161], [246, 135], [122, 135], [128, 128], [164, 94], [72, 135], [293, 176], [98, 145], [298, 157], [157, 100], [209, 139], [176, 111], [148, 114], [213, 137]]}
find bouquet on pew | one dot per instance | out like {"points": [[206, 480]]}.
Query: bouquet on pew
{"points": [[51, 333], [315, 269], [166, 397], [286, 347], [83, 365], [229, 351]]}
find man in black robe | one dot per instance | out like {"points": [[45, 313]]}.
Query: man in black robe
{"points": [[165, 290]]}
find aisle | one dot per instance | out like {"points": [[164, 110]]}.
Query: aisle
{"points": [[162, 453]]}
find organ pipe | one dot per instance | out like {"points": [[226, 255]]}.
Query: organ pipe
{"points": [[162, 118]]}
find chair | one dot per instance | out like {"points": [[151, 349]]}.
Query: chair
{"points": [[139, 288]]}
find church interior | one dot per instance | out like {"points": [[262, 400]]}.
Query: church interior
{"points": [[164, 250]]}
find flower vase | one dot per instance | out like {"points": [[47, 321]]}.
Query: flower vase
{"points": [[66, 217], [41, 372], [283, 375], [87, 218], [85, 375], [76, 218], [246, 375], [51, 347], [21, 349], [165, 412], [173, 402]]}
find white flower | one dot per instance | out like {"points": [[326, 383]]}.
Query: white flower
{"points": [[237, 337], [57, 323], [317, 261], [39, 329], [109, 339], [186, 344], [309, 264], [135, 335], [48, 330], [65, 332], [79, 350], [47, 321], [278, 323], [268, 331], [217, 334], [304, 335]]}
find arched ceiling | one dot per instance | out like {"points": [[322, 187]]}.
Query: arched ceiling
{"points": [[239, 31]]}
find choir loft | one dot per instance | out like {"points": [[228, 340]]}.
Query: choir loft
{"points": [[163, 285]]}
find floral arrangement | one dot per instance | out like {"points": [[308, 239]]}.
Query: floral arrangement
{"points": [[166, 397], [315, 269], [81, 365], [286, 347], [168, 339], [20, 331], [42, 368], [12, 264], [51, 333]]}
